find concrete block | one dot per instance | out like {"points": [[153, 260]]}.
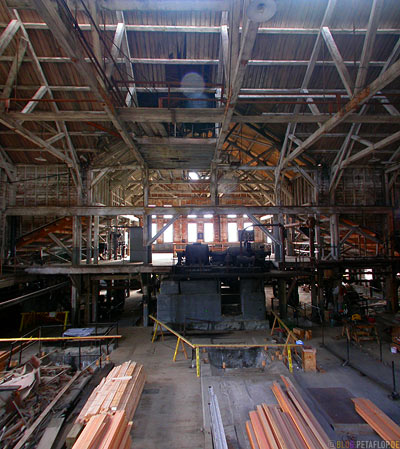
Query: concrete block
{"points": [[167, 308], [200, 306], [169, 287], [199, 286]]}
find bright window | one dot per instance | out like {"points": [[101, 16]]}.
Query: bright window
{"points": [[232, 232], [208, 232], [248, 223], [192, 232], [169, 234], [154, 230]]}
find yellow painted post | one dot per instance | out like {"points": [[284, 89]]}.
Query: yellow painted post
{"points": [[66, 319], [198, 361], [21, 326], [176, 349], [155, 333], [289, 355], [273, 327]]}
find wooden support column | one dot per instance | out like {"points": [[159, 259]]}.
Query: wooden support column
{"points": [[96, 224], [76, 289], [320, 292], [278, 248], [314, 297], [335, 238], [214, 187], [290, 236], [77, 240], [391, 295], [95, 299], [282, 294], [146, 188], [89, 240], [319, 238], [86, 294], [109, 249], [147, 221], [145, 278]]}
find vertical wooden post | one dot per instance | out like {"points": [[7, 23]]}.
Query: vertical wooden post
{"points": [[146, 187], [95, 298], [282, 294], [89, 240], [335, 238], [214, 185], [96, 239], [77, 240]]}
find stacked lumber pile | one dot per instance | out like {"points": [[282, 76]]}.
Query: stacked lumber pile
{"points": [[106, 432], [120, 390], [291, 425], [381, 423]]}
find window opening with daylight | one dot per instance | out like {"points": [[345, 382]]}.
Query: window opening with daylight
{"points": [[232, 232], [208, 232], [169, 234], [154, 231], [192, 232], [250, 224]]}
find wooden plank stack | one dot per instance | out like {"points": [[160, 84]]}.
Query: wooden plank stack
{"points": [[381, 423], [291, 425], [120, 390], [106, 431]]}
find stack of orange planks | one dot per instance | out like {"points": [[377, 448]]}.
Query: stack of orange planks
{"points": [[381, 423], [291, 425], [120, 390], [105, 431]]}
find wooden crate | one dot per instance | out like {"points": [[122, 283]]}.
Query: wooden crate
{"points": [[309, 358]]}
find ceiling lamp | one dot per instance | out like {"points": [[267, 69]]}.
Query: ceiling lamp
{"points": [[40, 158], [261, 10]]}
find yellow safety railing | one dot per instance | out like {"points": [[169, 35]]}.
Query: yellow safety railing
{"points": [[181, 340]]}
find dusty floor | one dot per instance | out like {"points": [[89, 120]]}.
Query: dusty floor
{"points": [[170, 413], [170, 410]]}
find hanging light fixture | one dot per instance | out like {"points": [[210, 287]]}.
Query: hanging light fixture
{"points": [[40, 158], [261, 10]]}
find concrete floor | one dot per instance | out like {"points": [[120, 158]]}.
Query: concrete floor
{"points": [[170, 410]]}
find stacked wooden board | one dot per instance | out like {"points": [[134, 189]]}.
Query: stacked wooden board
{"points": [[120, 390], [106, 431], [291, 425], [381, 423]]}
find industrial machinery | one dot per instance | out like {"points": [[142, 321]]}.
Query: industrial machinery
{"points": [[247, 255], [221, 289]]}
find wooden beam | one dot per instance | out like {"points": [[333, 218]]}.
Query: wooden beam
{"points": [[19, 129], [368, 44], [337, 57], [8, 34], [55, 211], [248, 40], [196, 115], [375, 146], [162, 230], [59, 243], [13, 73], [362, 97], [210, 29], [73, 48], [7, 166], [30, 106], [139, 5]]}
